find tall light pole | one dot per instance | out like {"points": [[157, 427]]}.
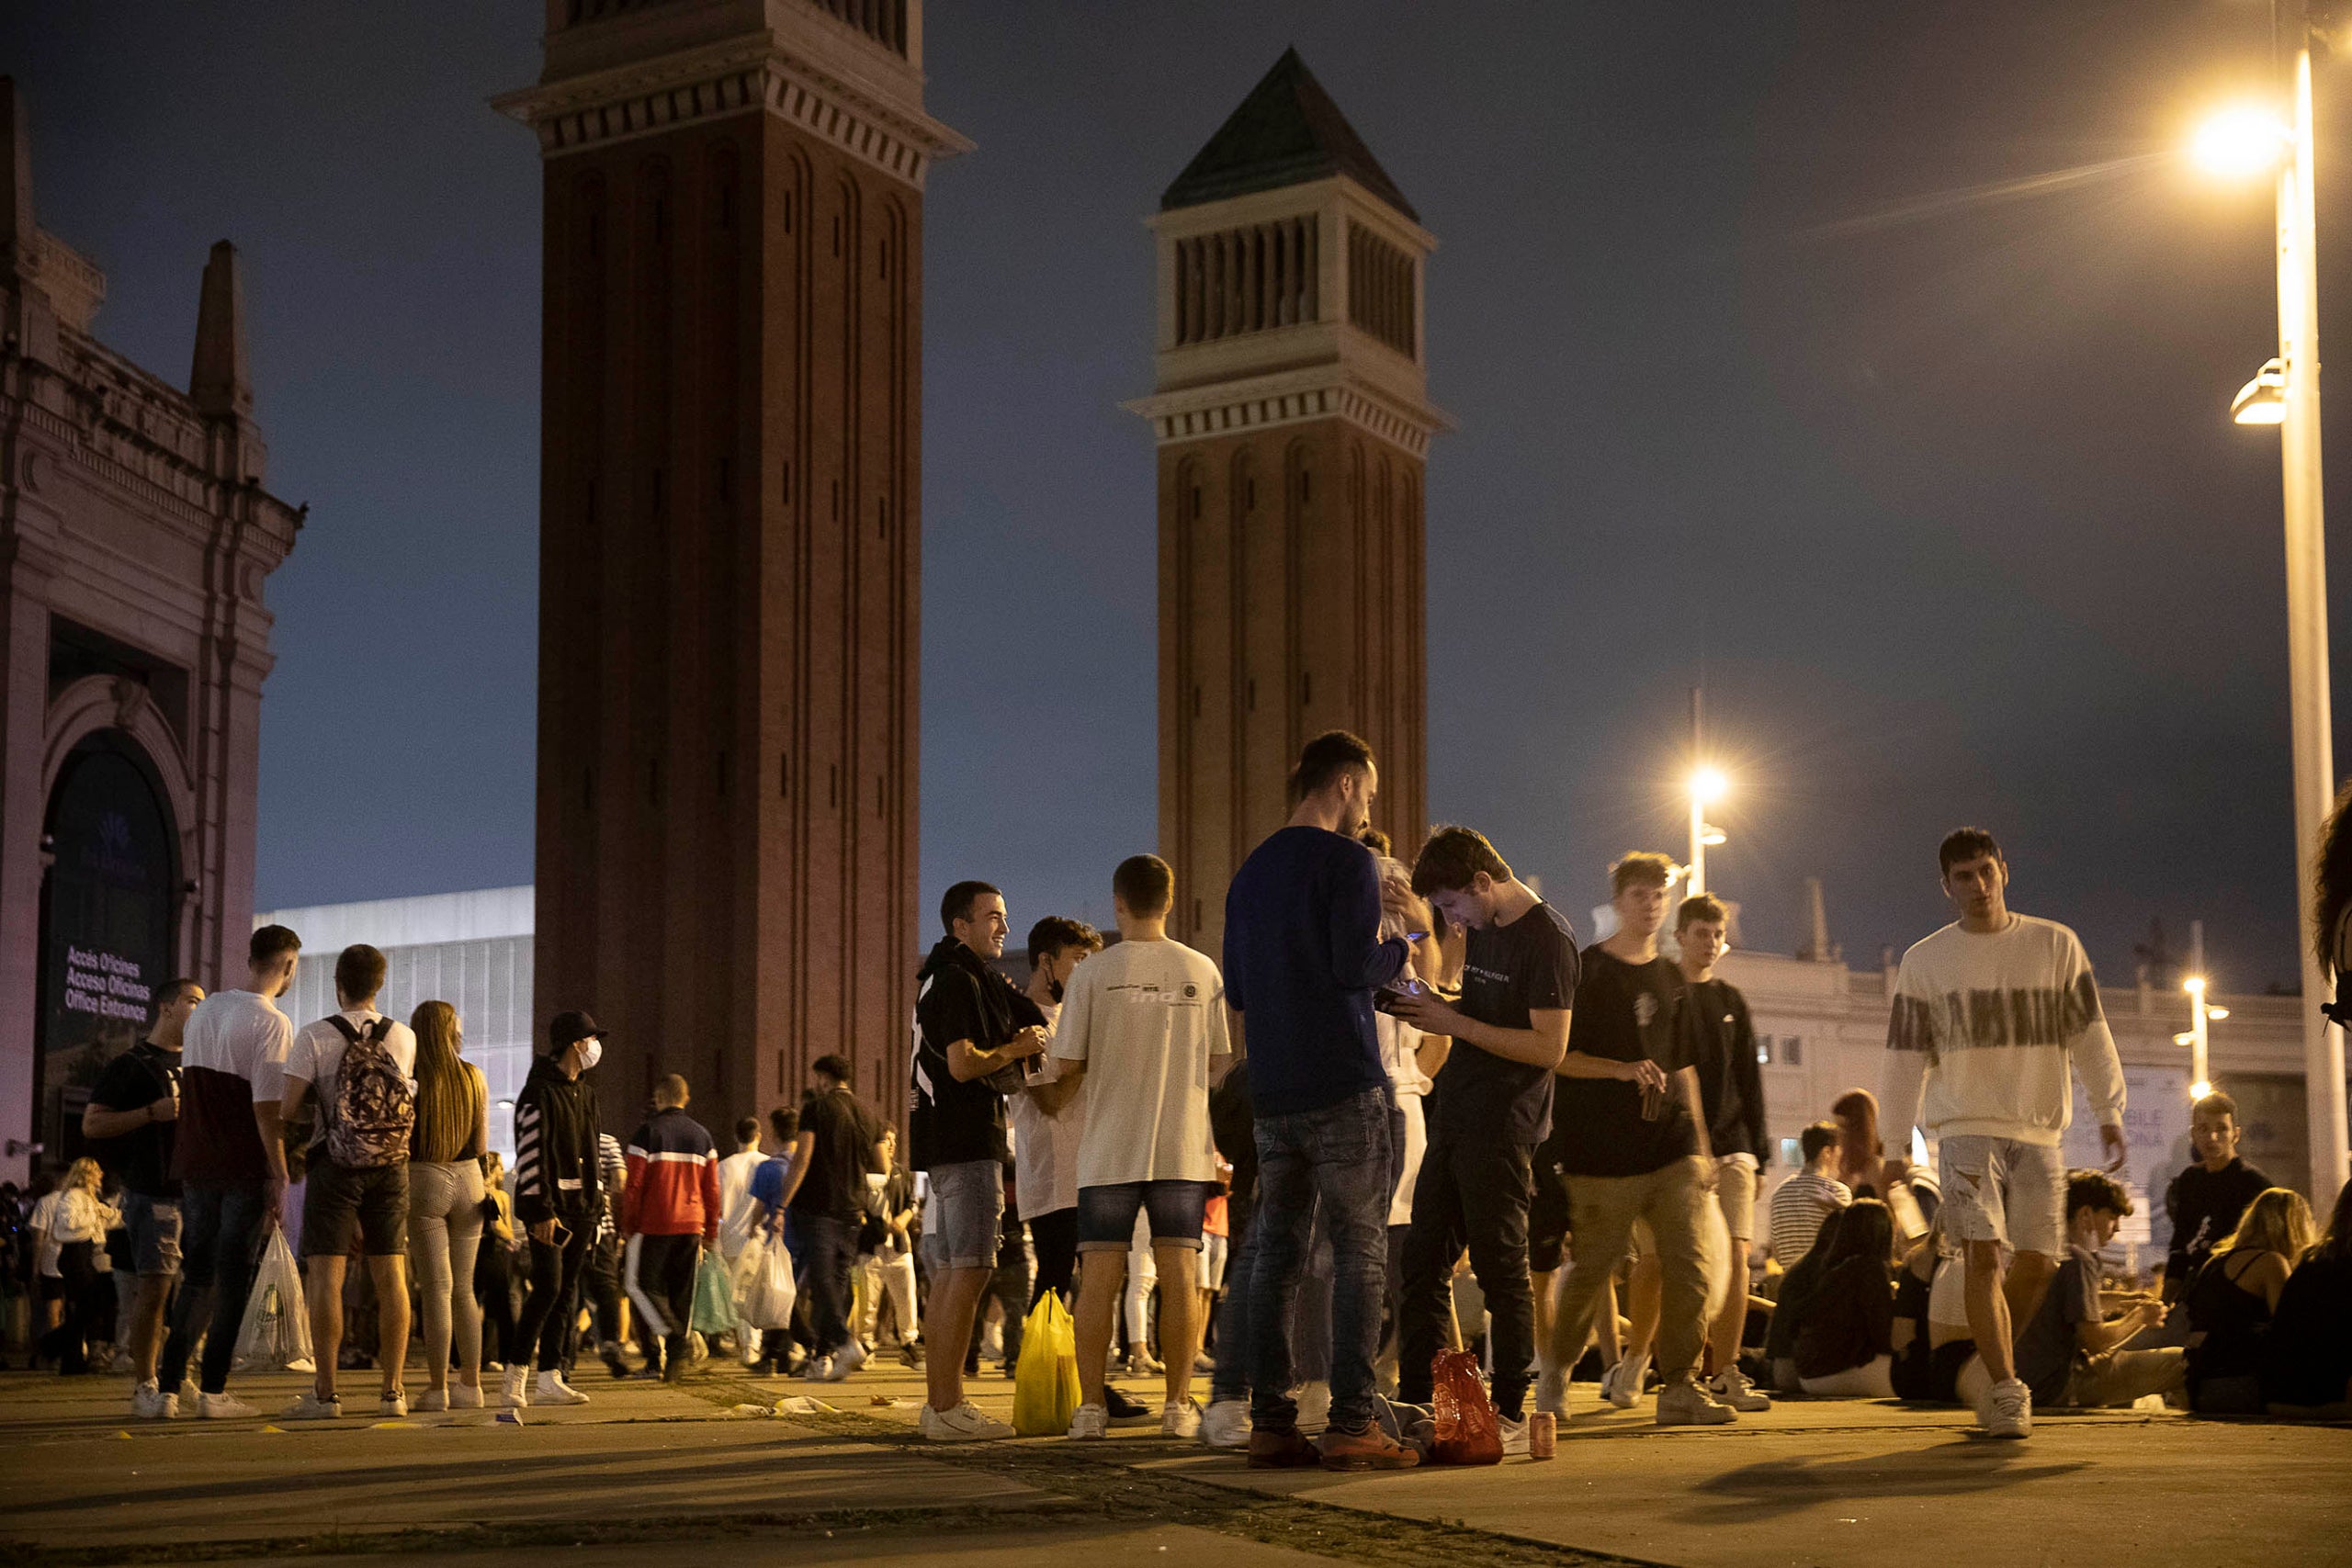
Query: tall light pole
{"points": [[2199, 1037], [1707, 786], [2291, 401]]}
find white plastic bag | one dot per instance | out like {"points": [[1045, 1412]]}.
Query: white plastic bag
{"points": [[277, 1331], [767, 1298]]}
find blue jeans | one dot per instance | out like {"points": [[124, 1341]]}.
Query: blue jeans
{"points": [[828, 1253], [1231, 1379], [1334, 1163], [220, 1236]]}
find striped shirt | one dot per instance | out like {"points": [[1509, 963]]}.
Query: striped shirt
{"points": [[612, 1166], [1798, 1205]]}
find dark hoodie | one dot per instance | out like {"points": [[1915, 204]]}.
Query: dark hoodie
{"points": [[956, 998], [556, 1172]]}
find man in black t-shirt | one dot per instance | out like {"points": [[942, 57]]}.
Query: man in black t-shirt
{"points": [[132, 1114], [967, 1030], [1632, 1147], [1490, 1106], [839, 1144]]}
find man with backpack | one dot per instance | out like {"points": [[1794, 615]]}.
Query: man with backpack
{"points": [[363, 1067]]}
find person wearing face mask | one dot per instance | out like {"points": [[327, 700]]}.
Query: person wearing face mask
{"points": [[557, 1193]]}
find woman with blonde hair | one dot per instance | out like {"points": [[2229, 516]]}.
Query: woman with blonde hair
{"points": [[75, 1226], [445, 1198], [2231, 1301]]}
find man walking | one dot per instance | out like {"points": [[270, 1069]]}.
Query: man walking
{"points": [[1144, 1022], [1731, 1092], [355, 1197], [1633, 1148], [1303, 955], [966, 1038], [558, 1192], [230, 1157], [838, 1145], [1490, 1108], [134, 1111], [1989, 1013], [669, 1216]]}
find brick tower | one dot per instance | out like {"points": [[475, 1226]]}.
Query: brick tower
{"points": [[728, 537], [1293, 419]]}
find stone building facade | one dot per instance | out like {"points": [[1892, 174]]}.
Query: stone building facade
{"points": [[729, 534], [1291, 417], [135, 538]]}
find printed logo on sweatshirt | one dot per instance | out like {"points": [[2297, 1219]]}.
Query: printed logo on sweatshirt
{"points": [[2009, 1016]]}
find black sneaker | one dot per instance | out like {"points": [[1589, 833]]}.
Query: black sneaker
{"points": [[614, 1364], [1124, 1411]]}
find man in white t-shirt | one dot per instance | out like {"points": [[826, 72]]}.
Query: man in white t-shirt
{"points": [[356, 1197], [1047, 1115], [1140, 1023], [735, 1209]]}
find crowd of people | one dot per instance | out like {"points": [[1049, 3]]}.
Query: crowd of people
{"points": [[1402, 1112]]}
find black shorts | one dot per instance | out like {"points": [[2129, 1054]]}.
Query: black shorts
{"points": [[352, 1209], [1547, 1216]]}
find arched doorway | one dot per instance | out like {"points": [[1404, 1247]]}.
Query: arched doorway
{"points": [[109, 909]]}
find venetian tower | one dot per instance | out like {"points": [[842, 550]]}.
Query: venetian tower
{"points": [[1293, 420], [728, 537]]}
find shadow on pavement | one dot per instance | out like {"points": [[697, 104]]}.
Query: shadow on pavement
{"points": [[1777, 1487]]}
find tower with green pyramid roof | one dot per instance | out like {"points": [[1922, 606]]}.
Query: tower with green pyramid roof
{"points": [[1292, 416]]}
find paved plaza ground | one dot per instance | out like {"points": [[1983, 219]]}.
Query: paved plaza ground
{"points": [[662, 1476]]}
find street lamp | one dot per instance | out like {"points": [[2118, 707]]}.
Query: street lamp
{"points": [[2248, 142], [1707, 786], [2198, 1040]]}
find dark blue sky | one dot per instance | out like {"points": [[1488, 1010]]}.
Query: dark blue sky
{"points": [[1773, 362]]}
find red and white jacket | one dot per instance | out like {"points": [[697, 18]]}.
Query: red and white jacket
{"points": [[673, 1178]]}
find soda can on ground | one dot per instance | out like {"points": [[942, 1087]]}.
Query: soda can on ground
{"points": [[1542, 1434]]}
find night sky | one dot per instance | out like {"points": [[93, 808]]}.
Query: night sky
{"points": [[1870, 362]]}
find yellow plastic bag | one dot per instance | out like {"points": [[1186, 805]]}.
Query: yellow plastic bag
{"points": [[1045, 1382]]}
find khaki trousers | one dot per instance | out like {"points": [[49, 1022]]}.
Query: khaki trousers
{"points": [[1675, 1205]]}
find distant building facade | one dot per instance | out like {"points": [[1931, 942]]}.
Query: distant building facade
{"points": [[729, 534], [471, 950], [1293, 419], [135, 539]]}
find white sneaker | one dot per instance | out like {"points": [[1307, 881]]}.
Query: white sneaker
{"points": [[1514, 1436], [1683, 1403], [1142, 1363], [1732, 1388], [394, 1403], [434, 1399], [1089, 1421], [553, 1390], [311, 1408], [818, 1370], [222, 1406], [1226, 1424], [1182, 1419], [964, 1423], [518, 1388], [1621, 1384], [847, 1359], [464, 1396], [2007, 1409], [1552, 1392], [149, 1402]]}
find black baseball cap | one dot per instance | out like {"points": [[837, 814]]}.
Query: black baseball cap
{"points": [[570, 1028]]}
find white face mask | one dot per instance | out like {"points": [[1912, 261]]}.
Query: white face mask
{"points": [[592, 1051]]}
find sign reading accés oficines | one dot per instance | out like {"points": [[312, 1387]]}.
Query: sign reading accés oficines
{"points": [[105, 984]]}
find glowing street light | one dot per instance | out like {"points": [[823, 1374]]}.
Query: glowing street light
{"points": [[2251, 141], [1708, 785]]}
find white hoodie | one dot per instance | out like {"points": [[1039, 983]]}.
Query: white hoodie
{"points": [[1983, 1026]]}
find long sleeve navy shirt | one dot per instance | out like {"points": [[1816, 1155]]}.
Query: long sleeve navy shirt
{"points": [[1303, 955]]}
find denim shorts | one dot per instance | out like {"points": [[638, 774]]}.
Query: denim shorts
{"points": [[962, 1220], [154, 1227], [1106, 1215], [2001, 1189]]}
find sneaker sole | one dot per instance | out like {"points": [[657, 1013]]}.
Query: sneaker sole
{"points": [[1406, 1460]]}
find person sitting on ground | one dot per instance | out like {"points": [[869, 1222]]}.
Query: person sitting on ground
{"points": [[2071, 1353], [2207, 1201], [2231, 1301], [1800, 1203], [1845, 1342], [1794, 1301], [1931, 1337], [2307, 1356]]}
